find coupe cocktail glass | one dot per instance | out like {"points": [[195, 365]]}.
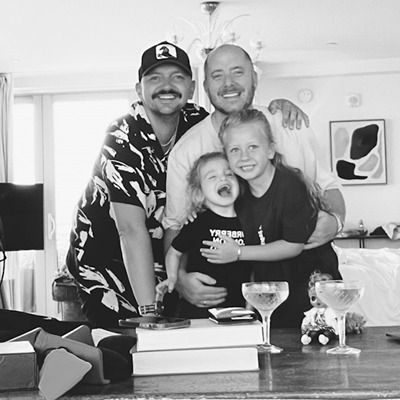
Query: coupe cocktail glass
{"points": [[340, 296], [266, 297]]}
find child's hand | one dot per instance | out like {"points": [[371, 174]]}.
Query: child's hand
{"points": [[166, 286], [221, 252], [161, 289]]}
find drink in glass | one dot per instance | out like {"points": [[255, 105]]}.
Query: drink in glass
{"points": [[266, 297], [340, 296]]}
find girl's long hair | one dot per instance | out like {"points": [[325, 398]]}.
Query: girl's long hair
{"points": [[235, 119]]}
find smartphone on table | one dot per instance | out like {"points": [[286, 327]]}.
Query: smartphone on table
{"points": [[231, 315]]}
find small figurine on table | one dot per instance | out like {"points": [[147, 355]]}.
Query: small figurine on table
{"points": [[320, 322]]}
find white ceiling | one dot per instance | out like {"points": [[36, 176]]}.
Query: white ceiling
{"points": [[44, 36]]}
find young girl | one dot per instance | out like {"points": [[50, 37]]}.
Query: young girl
{"points": [[278, 213], [213, 189]]}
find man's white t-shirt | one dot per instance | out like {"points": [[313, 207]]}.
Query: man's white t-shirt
{"points": [[299, 148]]}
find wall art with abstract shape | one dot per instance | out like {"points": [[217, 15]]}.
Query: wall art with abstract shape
{"points": [[358, 151]]}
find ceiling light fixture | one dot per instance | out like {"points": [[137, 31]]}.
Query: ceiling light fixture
{"points": [[212, 34]]}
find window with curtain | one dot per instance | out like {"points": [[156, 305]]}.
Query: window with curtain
{"points": [[19, 283], [22, 143], [55, 141]]}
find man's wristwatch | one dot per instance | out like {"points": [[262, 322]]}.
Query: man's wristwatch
{"points": [[155, 308]]}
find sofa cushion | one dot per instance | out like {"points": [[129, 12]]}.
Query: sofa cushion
{"points": [[379, 270]]}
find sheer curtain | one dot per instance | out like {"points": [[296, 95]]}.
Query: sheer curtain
{"points": [[5, 128], [16, 291], [5, 122]]}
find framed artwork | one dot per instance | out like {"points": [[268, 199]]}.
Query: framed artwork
{"points": [[358, 151]]}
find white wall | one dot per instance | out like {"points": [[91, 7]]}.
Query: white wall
{"points": [[380, 99]]}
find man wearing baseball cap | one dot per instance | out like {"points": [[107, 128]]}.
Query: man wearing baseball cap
{"points": [[116, 249], [164, 53]]}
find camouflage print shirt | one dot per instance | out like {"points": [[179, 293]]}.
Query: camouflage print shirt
{"points": [[130, 169]]}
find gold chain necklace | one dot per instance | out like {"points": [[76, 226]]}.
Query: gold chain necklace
{"points": [[169, 141], [167, 146]]}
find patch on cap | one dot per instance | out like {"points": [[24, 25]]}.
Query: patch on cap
{"points": [[164, 51]]}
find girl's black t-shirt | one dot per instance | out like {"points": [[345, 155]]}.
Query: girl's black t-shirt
{"points": [[209, 226], [285, 212]]}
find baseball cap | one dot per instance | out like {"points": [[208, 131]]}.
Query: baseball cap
{"points": [[164, 53]]}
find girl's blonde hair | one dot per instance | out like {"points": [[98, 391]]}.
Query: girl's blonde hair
{"points": [[196, 195], [278, 161]]}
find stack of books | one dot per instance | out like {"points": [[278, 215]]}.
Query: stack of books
{"points": [[202, 347]]}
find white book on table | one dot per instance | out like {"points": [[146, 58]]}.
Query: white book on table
{"points": [[201, 333], [192, 361]]}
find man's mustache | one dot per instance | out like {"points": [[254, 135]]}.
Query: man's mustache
{"points": [[161, 92], [229, 89]]}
